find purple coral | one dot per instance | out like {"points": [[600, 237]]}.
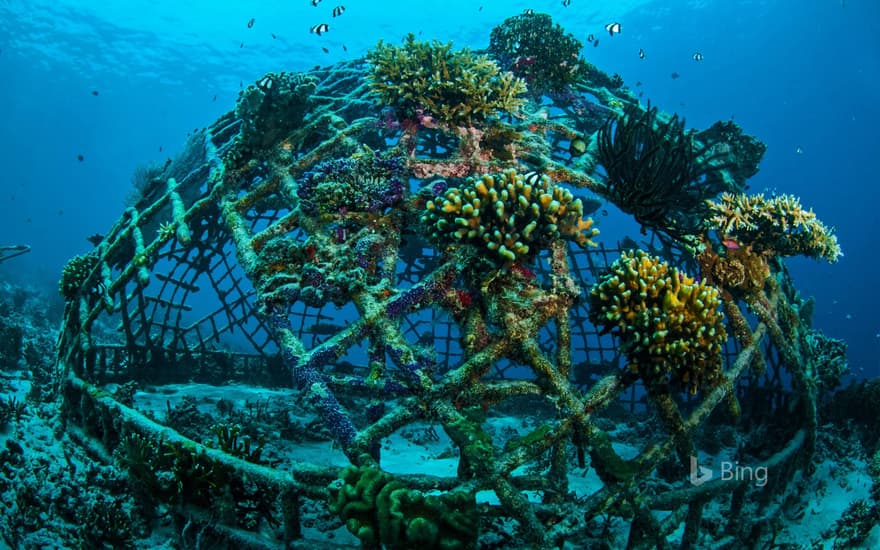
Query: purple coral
{"points": [[366, 182]]}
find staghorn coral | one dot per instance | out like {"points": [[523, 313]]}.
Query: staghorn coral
{"points": [[456, 88], [774, 226], [655, 172], [541, 53], [670, 326], [382, 511], [510, 214]]}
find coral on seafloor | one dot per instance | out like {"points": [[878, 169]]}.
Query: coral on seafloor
{"points": [[775, 226], [670, 326], [382, 511], [455, 87], [511, 215]]}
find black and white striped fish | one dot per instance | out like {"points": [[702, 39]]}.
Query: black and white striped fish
{"points": [[613, 28]]}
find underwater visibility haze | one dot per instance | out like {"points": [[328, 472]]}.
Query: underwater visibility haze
{"points": [[340, 274]]}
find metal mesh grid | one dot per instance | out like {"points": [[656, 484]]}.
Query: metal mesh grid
{"points": [[215, 310]]}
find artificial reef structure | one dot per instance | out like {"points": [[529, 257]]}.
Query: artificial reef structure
{"points": [[404, 242]]}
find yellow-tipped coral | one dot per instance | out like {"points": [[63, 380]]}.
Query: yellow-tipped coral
{"points": [[670, 327], [779, 225], [512, 215]]}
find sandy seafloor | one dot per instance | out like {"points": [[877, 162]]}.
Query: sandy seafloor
{"points": [[47, 480]]}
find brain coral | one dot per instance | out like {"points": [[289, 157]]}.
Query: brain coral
{"points": [[670, 326], [510, 214]]}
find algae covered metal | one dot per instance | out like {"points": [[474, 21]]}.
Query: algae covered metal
{"points": [[405, 240]]}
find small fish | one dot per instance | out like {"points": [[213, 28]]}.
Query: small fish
{"points": [[94, 92], [241, 45], [316, 2], [240, 83], [320, 28], [95, 239], [613, 28], [325, 49], [591, 38], [338, 10], [521, 62], [566, 3], [214, 99], [604, 212], [528, 11], [273, 36], [698, 56], [160, 148], [60, 212], [532, 178], [641, 53], [799, 150], [326, 328], [251, 23], [674, 76], [80, 158], [481, 8], [596, 43], [638, 83], [577, 147], [730, 243], [344, 48]]}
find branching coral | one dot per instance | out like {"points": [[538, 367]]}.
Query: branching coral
{"points": [[457, 88], [543, 54], [670, 326], [510, 214], [655, 172], [776, 226]]}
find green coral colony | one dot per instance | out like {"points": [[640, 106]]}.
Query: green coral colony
{"points": [[469, 172]]}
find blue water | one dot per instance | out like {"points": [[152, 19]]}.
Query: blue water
{"points": [[802, 75]]}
